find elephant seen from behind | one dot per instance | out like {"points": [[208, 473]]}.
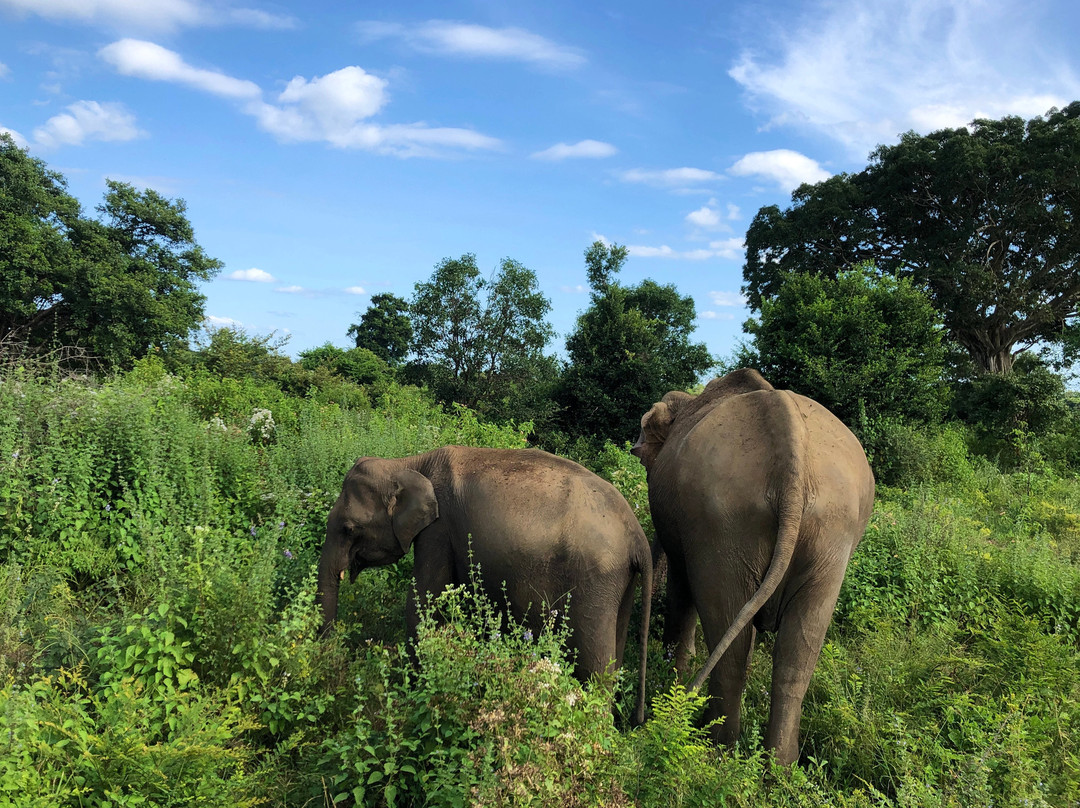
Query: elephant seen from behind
{"points": [[541, 528], [759, 497]]}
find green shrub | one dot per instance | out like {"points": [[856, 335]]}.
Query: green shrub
{"points": [[64, 744], [904, 454], [1021, 419], [490, 716]]}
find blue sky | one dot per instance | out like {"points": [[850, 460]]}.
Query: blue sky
{"points": [[329, 151]]}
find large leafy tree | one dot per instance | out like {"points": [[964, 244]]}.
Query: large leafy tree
{"points": [[136, 284], [986, 217], [36, 257], [479, 341], [385, 328], [862, 344], [630, 347], [116, 286]]}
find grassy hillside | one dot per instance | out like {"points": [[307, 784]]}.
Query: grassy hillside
{"points": [[158, 646]]}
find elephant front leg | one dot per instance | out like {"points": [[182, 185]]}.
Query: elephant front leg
{"points": [[433, 571]]}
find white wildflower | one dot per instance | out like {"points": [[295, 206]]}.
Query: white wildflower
{"points": [[261, 426]]}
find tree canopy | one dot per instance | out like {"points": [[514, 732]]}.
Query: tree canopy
{"points": [[861, 344], [385, 328], [986, 217], [479, 341], [630, 347], [117, 286]]}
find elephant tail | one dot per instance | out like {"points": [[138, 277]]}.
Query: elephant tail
{"points": [[645, 566], [792, 501]]}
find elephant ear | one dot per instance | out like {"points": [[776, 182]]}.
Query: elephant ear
{"points": [[412, 505], [656, 423]]}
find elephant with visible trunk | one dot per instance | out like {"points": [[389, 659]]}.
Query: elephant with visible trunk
{"points": [[759, 497], [541, 526]]}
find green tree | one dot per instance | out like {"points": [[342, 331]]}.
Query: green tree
{"points": [[630, 347], [230, 352], [116, 286], [36, 257], [136, 286], [860, 343], [358, 365], [986, 217], [385, 328], [479, 341]]}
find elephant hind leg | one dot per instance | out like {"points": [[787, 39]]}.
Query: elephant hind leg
{"points": [[798, 645], [726, 684], [592, 636]]}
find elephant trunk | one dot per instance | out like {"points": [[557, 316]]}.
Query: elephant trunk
{"points": [[329, 581]]}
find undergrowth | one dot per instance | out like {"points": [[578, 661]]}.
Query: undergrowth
{"points": [[159, 640]]}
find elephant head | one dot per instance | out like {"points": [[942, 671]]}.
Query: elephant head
{"points": [[656, 424], [382, 507], [687, 409]]}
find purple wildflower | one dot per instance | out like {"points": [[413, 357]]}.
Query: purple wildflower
{"points": [[288, 554]]}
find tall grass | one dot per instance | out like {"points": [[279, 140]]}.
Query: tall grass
{"points": [[159, 638]]}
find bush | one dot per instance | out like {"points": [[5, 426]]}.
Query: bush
{"points": [[490, 716], [904, 454], [63, 743], [1021, 419], [862, 344]]}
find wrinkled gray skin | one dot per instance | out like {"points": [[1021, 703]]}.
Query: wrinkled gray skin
{"points": [[545, 526], [759, 497]]}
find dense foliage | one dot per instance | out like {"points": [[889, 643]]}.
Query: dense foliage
{"points": [[115, 287], [480, 341], [385, 328], [158, 633], [629, 347], [986, 217]]}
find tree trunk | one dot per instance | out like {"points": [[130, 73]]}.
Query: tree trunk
{"points": [[991, 353]]}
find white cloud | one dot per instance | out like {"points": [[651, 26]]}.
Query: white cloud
{"points": [[727, 298], [326, 107], [146, 15], [221, 322], [335, 113], [730, 248], [254, 18], [4, 70], [87, 120], [583, 148], [333, 108], [253, 274], [707, 217], [733, 212], [146, 60], [715, 315], [864, 72], [293, 290], [354, 290], [573, 290], [476, 41], [788, 169], [664, 251], [672, 178]]}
